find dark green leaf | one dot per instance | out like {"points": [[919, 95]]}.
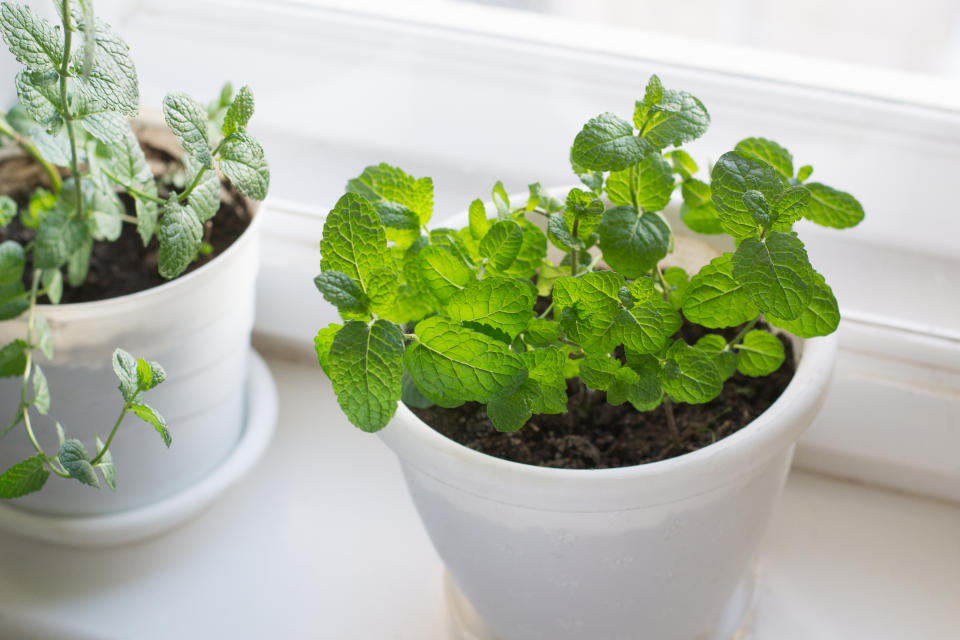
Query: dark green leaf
{"points": [[342, 292], [632, 244], [607, 143], [13, 359], [243, 163], [832, 208], [775, 273], [647, 184], [667, 117], [23, 478], [75, 459]]}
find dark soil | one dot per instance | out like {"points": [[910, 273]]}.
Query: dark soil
{"points": [[125, 266], [596, 435]]}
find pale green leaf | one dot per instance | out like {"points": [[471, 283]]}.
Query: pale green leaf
{"points": [[775, 273], [582, 213], [383, 182], [204, 200], [243, 162], [607, 143], [632, 244], [12, 262], [501, 245], [180, 235], [767, 151], [33, 41], [734, 175], [125, 368], [23, 478], [832, 208], [647, 184], [760, 354], [110, 82], [441, 274], [75, 459], [354, 240], [150, 415], [322, 343], [44, 337], [715, 299], [668, 117], [41, 391], [239, 112], [452, 365], [366, 367], [500, 303], [106, 466]]}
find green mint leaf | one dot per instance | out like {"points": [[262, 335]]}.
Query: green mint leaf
{"points": [[205, 198], [501, 200], [401, 224], [107, 467], [804, 172], [13, 359], [109, 127], [533, 249], [607, 143], [677, 282], [322, 344], [52, 282], [354, 240], [775, 273], [541, 332], [54, 147], [758, 207], [632, 244], [78, 264], [479, 225], [148, 213], [442, 274], [544, 391], [75, 459], [44, 337], [588, 307], [150, 415], [702, 219], [144, 374], [641, 389], [239, 112], [32, 40], [12, 262], [382, 290], [383, 182], [820, 318], [452, 365], [716, 345], [411, 395], [760, 354], [14, 300], [667, 117], [188, 120], [501, 303], [789, 207], [691, 375], [40, 96], [366, 367], [180, 235], [501, 245], [682, 163], [644, 327], [767, 151], [832, 208], [127, 161], [23, 478], [598, 371], [734, 175], [8, 210], [58, 238], [125, 368], [696, 193], [243, 163], [646, 185], [342, 292], [560, 235], [110, 82], [41, 391], [583, 209]]}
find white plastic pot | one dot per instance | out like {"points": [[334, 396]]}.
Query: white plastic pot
{"points": [[198, 327], [660, 550]]}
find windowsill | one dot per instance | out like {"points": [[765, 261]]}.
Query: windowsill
{"points": [[321, 540]]}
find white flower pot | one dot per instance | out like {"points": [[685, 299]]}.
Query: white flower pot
{"points": [[198, 327], [660, 551]]}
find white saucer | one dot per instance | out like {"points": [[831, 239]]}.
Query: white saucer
{"points": [[144, 522]]}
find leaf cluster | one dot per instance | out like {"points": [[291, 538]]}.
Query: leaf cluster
{"points": [[447, 316]]}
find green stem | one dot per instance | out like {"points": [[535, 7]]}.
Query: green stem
{"points": [[546, 311], [67, 116], [750, 325], [186, 194], [136, 193], [663, 282], [56, 182], [575, 254], [671, 420], [113, 432]]}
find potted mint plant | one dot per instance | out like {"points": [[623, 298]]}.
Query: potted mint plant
{"points": [[100, 259], [670, 402]]}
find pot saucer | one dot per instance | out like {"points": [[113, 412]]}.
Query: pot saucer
{"points": [[150, 520]]}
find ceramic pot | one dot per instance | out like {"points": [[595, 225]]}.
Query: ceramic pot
{"points": [[198, 327]]}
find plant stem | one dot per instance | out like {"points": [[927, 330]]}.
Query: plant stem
{"points": [[186, 194], [546, 311], [671, 420], [737, 338], [663, 282], [575, 253], [113, 432], [67, 117], [55, 181], [133, 190]]}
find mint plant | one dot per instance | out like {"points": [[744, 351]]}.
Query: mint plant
{"points": [[78, 90], [447, 316]]}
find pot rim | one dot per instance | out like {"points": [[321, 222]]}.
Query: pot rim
{"points": [[591, 490], [161, 292]]}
